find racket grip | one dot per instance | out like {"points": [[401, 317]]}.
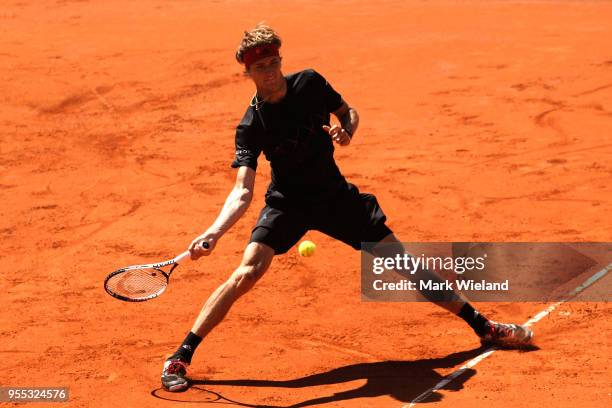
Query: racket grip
{"points": [[187, 254]]}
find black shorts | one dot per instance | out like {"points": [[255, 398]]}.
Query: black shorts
{"points": [[351, 217]]}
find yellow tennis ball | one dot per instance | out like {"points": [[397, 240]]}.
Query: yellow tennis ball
{"points": [[307, 248]]}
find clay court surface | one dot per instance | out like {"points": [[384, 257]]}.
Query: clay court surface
{"points": [[480, 121]]}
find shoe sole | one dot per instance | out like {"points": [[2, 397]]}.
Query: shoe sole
{"points": [[176, 387], [526, 343]]}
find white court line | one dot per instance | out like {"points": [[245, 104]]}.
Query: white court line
{"points": [[594, 278]]}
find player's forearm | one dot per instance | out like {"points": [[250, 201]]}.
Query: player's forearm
{"points": [[235, 206], [350, 121]]}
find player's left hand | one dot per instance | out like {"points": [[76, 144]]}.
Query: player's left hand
{"points": [[338, 134]]}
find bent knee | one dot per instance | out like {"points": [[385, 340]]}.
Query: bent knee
{"points": [[246, 276]]}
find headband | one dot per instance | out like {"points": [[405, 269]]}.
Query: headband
{"points": [[254, 54]]}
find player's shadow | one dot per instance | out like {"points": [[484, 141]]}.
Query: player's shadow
{"points": [[402, 380]]}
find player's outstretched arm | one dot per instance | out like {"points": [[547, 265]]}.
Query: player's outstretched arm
{"points": [[349, 121], [235, 206]]}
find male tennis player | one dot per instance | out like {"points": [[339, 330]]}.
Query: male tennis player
{"points": [[289, 121]]}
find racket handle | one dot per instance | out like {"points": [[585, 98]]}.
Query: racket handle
{"points": [[182, 256], [187, 254]]}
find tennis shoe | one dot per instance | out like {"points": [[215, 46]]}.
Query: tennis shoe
{"points": [[506, 335], [174, 375]]}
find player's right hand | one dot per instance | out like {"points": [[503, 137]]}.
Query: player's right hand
{"points": [[202, 245]]}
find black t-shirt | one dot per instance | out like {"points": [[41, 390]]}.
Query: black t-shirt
{"points": [[290, 134]]}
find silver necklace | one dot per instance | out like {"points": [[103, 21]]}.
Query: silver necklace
{"points": [[255, 102]]}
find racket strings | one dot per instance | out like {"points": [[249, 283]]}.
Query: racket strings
{"points": [[138, 283]]}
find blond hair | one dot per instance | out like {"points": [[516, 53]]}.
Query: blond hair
{"points": [[260, 35]]}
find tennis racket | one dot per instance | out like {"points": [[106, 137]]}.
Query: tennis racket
{"points": [[138, 283]]}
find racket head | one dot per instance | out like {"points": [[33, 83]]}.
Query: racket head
{"points": [[136, 284]]}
